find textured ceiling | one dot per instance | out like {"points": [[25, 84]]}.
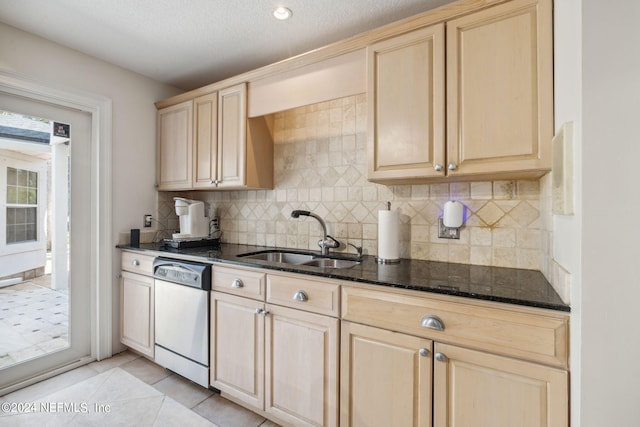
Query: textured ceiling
{"points": [[190, 43]]}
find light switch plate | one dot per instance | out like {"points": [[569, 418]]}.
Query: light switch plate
{"points": [[562, 171]]}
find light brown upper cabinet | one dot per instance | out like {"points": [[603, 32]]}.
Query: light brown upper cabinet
{"points": [[236, 152], [406, 105], [175, 146], [232, 134], [500, 89], [499, 97], [205, 142], [208, 143]]}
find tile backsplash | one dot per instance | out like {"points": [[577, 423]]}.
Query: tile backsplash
{"points": [[321, 166]]}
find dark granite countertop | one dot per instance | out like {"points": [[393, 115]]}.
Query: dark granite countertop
{"points": [[506, 285]]}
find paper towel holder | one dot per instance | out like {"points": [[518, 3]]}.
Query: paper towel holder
{"points": [[451, 221], [387, 261], [380, 260]]}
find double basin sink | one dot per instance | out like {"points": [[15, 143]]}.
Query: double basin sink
{"points": [[301, 258]]}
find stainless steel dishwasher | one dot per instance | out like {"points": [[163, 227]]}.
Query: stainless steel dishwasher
{"points": [[182, 317]]}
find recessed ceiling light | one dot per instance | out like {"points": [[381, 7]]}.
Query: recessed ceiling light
{"points": [[282, 13]]}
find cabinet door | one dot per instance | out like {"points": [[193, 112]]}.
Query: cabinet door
{"points": [[472, 388], [301, 367], [136, 312], [175, 146], [205, 141], [232, 126], [499, 89], [237, 348], [406, 106], [385, 378]]}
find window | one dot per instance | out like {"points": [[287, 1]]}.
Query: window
{"points": [[22, 206]]}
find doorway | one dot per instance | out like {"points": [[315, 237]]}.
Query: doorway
{"points": [[34, 237], [45, 239]]}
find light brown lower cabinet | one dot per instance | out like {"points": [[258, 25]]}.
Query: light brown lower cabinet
{"points": [[301, 367], [385, 378], [137, 320], [392, 358], [278, 360], [410, 359], [473, 388], [237, 348]]}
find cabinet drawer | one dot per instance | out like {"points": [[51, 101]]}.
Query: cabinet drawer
{"points": [[137, 263], [526, 333], [236, 281], [317, 296]]}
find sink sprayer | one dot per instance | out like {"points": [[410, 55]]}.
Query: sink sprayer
{"points": [[327, 241]]}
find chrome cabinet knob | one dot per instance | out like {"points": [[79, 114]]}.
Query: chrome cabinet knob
{"points": [[135, 263], [441, 357], [259, 311], [301, 296], [424, 352], [437, 167], [453, 166], [237, 283], [432, 322]]}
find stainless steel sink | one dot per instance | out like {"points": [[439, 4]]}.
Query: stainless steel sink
{"points": [[332, 263], [282, 257], [300, 258]]}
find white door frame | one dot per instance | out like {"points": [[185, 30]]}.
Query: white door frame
{"points": [[100, 109]]}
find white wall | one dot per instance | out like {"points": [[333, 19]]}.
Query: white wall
{"points": [[567, 229], [134, 121], [610, 289]]}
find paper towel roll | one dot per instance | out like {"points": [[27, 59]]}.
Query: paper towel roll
{"points": [[388, 236]]}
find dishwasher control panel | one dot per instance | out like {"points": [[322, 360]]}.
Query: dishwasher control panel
{"points": [[185, 273]]}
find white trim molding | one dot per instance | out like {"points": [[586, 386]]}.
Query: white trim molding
{"points": [[100, 109]]}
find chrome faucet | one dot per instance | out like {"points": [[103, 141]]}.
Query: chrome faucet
{"points": [[327, 241]]}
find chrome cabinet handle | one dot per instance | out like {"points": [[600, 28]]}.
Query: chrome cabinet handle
{"points": [[441, 357], [259, 311], [433, 322], [453, 166], [135, 263], [437, 167], [301, 296], [424, 352], [237, 283], [262, 312]]}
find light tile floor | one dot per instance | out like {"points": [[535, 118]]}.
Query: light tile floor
{"points": [[125, 390], [33, 321]]}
